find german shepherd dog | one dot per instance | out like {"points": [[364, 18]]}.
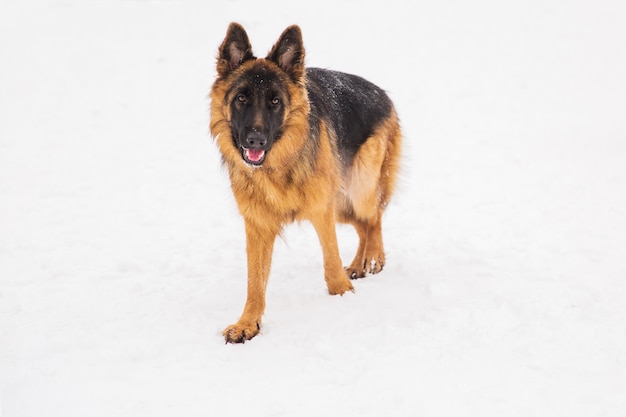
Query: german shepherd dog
{"points": [[301, 144]]}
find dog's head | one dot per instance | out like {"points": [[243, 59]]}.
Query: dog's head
{"points": [[255, 96]]}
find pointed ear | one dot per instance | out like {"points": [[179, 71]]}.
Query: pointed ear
{"points": [[288, 53], [234, 50]]}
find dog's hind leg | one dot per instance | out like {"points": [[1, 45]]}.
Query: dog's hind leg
{"points": [[370, 255], [369, 183]]}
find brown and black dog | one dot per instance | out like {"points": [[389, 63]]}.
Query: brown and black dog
{"points": [[301, 144]]}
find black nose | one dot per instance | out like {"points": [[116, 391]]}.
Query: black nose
{"points": [[255, 140]]}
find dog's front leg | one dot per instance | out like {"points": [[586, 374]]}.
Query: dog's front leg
{"points": [[259, 248], [336, 279]]}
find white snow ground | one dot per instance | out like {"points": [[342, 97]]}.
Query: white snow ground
{"points": [[122, 253]]}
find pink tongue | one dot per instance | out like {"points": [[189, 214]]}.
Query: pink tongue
{"points": [[255, 155]]}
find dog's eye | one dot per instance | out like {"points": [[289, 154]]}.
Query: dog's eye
{"points": [[242, 98], [275, 101]]}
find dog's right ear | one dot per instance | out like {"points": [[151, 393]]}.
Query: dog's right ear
{"points": [[234, 51], [288, 53]]}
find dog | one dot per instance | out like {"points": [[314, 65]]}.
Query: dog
{"points": [[301, 144]]}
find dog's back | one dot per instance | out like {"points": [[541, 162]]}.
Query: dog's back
{"points": [[353, 105]]}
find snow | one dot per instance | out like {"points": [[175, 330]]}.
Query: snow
{"points": [[122, 255]]}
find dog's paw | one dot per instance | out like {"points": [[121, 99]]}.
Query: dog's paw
{"points": [[361, 269], [340, 287], [355, 273], [241, 332]]}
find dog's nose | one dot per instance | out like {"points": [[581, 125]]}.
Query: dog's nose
{"points": [[255, 140]]}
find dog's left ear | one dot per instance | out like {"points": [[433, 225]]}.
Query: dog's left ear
{"points": [[288, 53]]}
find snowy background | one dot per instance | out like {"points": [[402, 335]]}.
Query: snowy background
{"points": [[122, 252]]}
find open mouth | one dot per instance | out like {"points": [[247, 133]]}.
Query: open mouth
{"points": [[253, 156]]}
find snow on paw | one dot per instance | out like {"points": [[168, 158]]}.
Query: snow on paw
{"points": [[376, 264], [355, 273], [370, 265]]}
